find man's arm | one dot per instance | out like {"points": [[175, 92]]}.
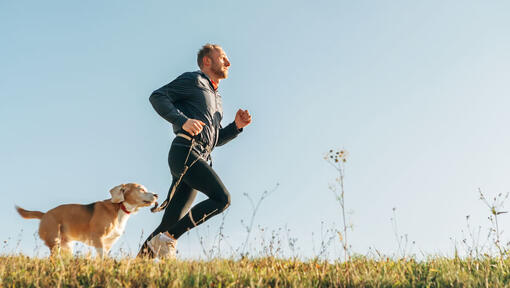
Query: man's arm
{"points": [[228, 133], [243, 118], [163, 100]]}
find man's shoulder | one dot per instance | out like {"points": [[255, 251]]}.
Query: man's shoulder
{"points": [[194, 75], [185, 79], [196, 78]]}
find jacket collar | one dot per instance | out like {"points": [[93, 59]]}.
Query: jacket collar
{"points": [[214, 86]]}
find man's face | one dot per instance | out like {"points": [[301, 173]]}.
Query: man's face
{"points": [[219, 63]]}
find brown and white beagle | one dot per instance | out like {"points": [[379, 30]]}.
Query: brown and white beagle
{"points": [[98, 224]]}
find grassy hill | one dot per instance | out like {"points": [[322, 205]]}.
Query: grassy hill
{"points": [[22, 271]]}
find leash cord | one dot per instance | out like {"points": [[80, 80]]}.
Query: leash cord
{"points": [[174, 187]]}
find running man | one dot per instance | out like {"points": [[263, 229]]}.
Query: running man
{"points": [[192, 104]]}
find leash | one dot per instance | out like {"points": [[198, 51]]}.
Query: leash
{"points": [[174, 187]]}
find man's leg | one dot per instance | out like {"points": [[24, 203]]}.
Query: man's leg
{"points": [[176, 209], [202, 177]]}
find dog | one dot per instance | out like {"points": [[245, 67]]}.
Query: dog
{"points": [[98, 224]]}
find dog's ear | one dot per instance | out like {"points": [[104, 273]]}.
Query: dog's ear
{"points": [[117, 193]]}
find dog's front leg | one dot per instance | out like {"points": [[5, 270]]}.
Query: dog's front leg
{"points": [[100, 252], [98, 244]]}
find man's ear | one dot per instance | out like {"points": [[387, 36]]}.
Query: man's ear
{"points": [[206, 61], [117, 193]]}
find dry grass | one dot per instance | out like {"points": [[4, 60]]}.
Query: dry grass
{"points": [[22, 271]]}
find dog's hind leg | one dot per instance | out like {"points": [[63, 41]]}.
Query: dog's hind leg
{"points": [[49, 232], [61, 248], [65, 246]]}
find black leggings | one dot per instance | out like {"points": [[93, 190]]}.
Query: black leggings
{"points": [[178, 218]]}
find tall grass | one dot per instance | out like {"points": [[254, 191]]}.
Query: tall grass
{"points": [[21, 271]]}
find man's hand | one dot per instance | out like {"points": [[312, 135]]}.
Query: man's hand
{"points": [[193, 126], [243, 118]]}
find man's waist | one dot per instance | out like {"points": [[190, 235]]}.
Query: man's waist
{"points": [[187, 137], [199, 145]]}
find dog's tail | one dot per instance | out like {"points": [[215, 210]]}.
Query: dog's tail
{"points": [[29, 214]]}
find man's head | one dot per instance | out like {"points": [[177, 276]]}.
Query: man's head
{"points": [[213, 61]]}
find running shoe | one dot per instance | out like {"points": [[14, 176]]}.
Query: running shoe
{"points": [[163, 246]]}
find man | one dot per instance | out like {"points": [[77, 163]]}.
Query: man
{"points": [[193, 105]]}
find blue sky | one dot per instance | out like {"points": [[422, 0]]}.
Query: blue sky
{"points": [[417, 92]]}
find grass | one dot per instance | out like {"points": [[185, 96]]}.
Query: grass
{"points": [[22, 271]]}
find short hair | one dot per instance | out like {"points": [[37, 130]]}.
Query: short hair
{"points": [[205, 51]]}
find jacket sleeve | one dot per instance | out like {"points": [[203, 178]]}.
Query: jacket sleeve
{"points": [[228, 133], [163, 100]]}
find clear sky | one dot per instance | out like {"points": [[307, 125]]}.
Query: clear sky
{"points": [[416, 91]]}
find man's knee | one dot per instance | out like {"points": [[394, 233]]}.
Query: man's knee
{"points": [[225, 202]]}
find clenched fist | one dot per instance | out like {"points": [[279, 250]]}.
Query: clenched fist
{"points": [[243, 118], [193, 126]]}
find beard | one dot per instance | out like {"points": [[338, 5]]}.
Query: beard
{"points": [[217, 70]]}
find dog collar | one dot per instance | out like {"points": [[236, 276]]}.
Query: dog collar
{"points": [[124, 208]]}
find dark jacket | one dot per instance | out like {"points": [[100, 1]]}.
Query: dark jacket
{"points": [[192, 96]]}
